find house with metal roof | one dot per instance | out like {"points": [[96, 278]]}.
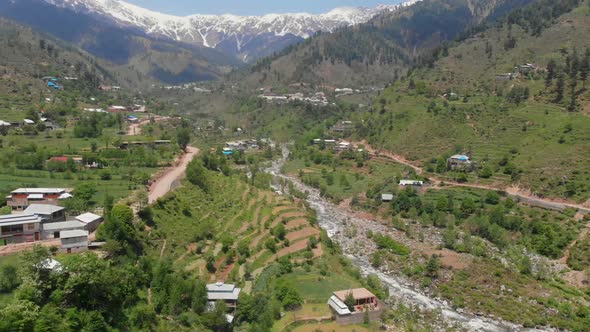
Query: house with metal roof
{"points": [[364, 303], [21, 198], [73, 241], [228, 293], [20, 228], [90, 221], [459, 162], [53, 230], [414, 183], [48, 212]]}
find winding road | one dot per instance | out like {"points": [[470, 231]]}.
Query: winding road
{"points": [[164, 181], [523, 197]]}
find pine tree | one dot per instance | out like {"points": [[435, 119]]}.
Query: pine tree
{"points": [[559, 88], [551, 72], [585, 67]]}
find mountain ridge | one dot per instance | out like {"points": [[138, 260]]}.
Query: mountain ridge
{"points": [[246, 37]]}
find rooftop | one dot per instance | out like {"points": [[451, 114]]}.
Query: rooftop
{"points": [[57, 226], [460, 157], [339, 306], [88, 217], [357, 293], [19, 219], [38, 191], [73, 234], [43, 209], [221, 291], [410, 182]]}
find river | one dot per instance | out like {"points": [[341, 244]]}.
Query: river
{"points": [[335, 220]]}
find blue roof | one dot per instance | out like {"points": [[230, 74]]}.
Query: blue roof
{"points": [[50, 84], [227, 153]]}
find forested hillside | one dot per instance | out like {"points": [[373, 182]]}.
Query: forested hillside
{"points": [[514, 97], [27, 56], [379, 51], [129, 50]]}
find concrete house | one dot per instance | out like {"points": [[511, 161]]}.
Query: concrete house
{"points": [[74, 241], [90, 221], [21, 198], [85, 222], [459, 162], [53, 230], [20, 228], [228, 293], [364, 302], [48, 213]]}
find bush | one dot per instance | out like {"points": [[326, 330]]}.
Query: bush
{"points": [[386, 242]]}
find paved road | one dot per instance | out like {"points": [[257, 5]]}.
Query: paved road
{"points": [[163, 184]]}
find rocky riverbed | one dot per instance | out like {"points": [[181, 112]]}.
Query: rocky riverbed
{"points": [[336, 221]]}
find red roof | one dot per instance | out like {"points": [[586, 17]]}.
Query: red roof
{"points": [[59, 159]]}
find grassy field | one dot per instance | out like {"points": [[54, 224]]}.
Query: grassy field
{"points": [[348, 180], [333, 327], [306, 311], [316, 288]]}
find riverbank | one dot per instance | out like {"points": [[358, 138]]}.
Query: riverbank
{"points": [[335, 220]]}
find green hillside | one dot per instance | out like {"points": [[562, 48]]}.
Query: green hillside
{"points": [[379, 51], [518, 128]]}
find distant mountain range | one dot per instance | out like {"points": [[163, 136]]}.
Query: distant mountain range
{"points": [[246, 37], [173, 49], [378, 51]]}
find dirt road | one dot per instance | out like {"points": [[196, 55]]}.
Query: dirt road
{"points": [[134, 129], [164, 181], [522, 196]]}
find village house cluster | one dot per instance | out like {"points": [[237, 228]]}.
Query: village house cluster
{"points": [[337, 145], [37, 216], [244, 145], [523, 69], [45, 122], [317, 99]]}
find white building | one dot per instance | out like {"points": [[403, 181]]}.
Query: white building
{"points": [[416, 183]]}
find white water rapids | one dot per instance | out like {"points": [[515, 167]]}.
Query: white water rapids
{"points": [[334, 220]]}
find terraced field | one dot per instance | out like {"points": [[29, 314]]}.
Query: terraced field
{"points": [[253, 228]]}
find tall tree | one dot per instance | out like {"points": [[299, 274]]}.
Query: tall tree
{"points": [[551, 72], [559, 88]]}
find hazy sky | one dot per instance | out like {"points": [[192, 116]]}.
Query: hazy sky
{"points": [[251, 7]]}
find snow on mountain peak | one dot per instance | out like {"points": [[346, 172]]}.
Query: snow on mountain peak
{"points": [[215, 30]]}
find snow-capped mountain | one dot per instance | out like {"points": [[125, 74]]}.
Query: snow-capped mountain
{"points": [[246, 37]]}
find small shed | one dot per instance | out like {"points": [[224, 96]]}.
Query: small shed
{"points": [[74, 241], [386, 197]]}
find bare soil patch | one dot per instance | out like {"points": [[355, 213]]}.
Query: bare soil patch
{"points": [[304, 233]]}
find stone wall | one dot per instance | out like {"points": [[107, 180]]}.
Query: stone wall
{"points": [[359, 317]]}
